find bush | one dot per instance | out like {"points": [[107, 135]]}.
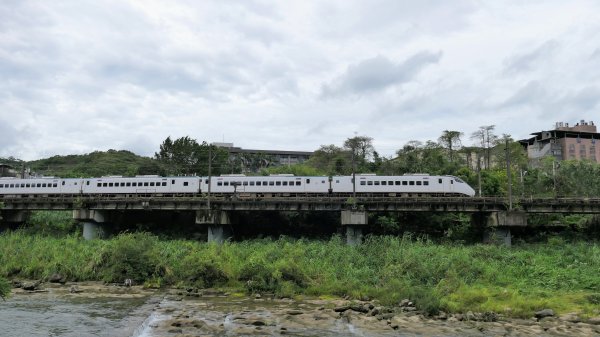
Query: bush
{"points": [[4, 288], [131, 256]]}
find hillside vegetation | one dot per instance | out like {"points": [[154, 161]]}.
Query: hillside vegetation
{"points": [[96, 164]]}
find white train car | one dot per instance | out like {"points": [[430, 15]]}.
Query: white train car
{"points": [[273, 184], [141, 185], [39, 186], [413, 185]]}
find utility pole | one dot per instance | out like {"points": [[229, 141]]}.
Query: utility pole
{"points": [[508, 175], [479, 172], [209, 177], [354, 168]]}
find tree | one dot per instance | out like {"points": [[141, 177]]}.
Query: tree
{"points": [[185, 156], [486, 139], [450, 140], [331, 159], [362, 146]]}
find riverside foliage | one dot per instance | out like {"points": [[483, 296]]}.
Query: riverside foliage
{"points": [[454, 278]]}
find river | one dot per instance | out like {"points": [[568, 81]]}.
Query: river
{"points": [[93, 309]]}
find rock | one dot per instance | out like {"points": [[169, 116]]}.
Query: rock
{"points": [[544, 313], [489, 316], [74, 289], [442, 316], [375, 311], [294, 312], [257, 296], [56, 278], [570, 317], [341, 308], [30, 286], [17, 284], [594, 320], [470, 316], [359, 308], [409, 309], [404, 303]]}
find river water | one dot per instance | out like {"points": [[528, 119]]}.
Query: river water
{"points": [[110, 311], [51, 314]]}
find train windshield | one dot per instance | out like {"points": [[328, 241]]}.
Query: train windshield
{"points": [[458, 180]]}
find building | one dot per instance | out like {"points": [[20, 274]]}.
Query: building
{"points": [[254, 160], [565, 142], [7, 171]]}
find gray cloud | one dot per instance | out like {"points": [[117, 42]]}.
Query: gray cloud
{"points": [[378, 73], [528, 61]]}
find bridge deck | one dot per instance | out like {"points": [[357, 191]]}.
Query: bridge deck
{"points": [[305, 203]]}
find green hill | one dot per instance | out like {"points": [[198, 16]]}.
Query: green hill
{"points": [[96, 164]]}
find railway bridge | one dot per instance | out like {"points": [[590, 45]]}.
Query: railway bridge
{"points": [[97, 212]]}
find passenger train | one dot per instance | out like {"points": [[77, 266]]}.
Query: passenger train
{"points": [[282, 185]]}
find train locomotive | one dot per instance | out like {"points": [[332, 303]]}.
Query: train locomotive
{"points": [[282, 185]]}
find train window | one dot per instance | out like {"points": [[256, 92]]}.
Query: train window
{"points": [[38, 185], [278, 183], [322, 181], [12, 185], [377, 183], [43, 185], [87, 183], [99, 185], [145, 183], [245, 183], [1, 185], [337, 181], [308, 181], [404, 182], [390, 183], [172, 181], [291, 183], [419, 183], [75, 183], [206, 181], [128, 184], [55, 185], [27, 185], [111, 184], [298, 183], [363, 182], [451, 181], [384, 183], [185, 183], [152, 183], [369, 183], [271, 183], [411, 183], [122, 184], [104, 184], [398, 182], [440, 181], [219, 183], [164, 183], [226, 183], [63, 183], [285, 183], [134, 184], [252, 183]]}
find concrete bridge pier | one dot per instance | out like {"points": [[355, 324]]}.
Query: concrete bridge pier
{"points": [[497, 225], [12, 219], [354, 222], [94, 223], [219, 225]]}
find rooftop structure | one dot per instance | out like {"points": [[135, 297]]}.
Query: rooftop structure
{"points": [[565, 142], [253, 160]]}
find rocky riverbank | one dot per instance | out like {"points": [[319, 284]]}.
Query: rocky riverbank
{"points": [[209, 312]]}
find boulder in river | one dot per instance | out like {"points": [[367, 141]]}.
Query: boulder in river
{"points": [[544, 313]]}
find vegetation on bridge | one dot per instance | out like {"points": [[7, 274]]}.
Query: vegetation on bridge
{"points": [[455, 278]]}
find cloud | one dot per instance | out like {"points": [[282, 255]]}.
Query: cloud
{"points": [[526, 62], [377, 74]]}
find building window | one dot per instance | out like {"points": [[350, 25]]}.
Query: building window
{"points": [[582, 153]]}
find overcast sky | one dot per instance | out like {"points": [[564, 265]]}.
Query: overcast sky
{"points": [[79, 76]]}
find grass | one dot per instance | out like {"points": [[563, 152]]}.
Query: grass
{"points": [[455, 278]]}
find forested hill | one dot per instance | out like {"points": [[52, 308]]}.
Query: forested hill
{"points": [[95, 164]]}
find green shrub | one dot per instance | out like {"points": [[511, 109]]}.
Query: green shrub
{"points": [[4, 288], [130, 256]]}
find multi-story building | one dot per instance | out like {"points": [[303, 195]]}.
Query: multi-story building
{"points": [[564, 142], [253, 160]]}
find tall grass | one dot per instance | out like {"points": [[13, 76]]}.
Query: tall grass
{"points": [[516, 281]]}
